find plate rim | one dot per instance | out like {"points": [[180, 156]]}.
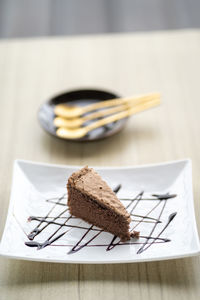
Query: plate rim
{"points": [[137, 166], [140, 260]]}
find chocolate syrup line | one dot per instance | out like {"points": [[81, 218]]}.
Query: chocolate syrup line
{"points": [[138, 197], [155, 238], [157, 221], [75, 226], [157, 197], [117, 188], [55, 198], [62, 204], [61, 225], [159, 240], [37, 230], [146, 217], [164, 196], [170, 218], [144, 221], [143, 199], [137, 202], [81, 227], [46, 243], [39, 218], [49, 241], [110, 246], [160, 197], [154, 227], [88, 230], [104, 245], [66, 225], [76, 248]]}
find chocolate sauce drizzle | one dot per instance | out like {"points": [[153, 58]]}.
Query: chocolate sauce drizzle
{"points": [[44, 222]]}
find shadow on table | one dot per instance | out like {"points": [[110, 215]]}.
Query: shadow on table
{"points": [[174, 272], [65, 150]]}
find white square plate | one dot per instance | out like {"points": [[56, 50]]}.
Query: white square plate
{"points": [[36, 187]]}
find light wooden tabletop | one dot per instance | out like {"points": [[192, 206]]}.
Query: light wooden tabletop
{"points": [[33, 70]]}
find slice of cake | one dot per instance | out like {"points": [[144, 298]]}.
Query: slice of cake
{"points": [[91, 199]]}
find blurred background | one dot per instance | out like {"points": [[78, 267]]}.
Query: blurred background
{"points": [[29, 18]]}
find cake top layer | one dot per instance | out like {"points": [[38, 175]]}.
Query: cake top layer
{"points": [[90, 183]]}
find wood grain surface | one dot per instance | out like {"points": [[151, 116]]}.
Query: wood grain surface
{"points": [[33, 70]]}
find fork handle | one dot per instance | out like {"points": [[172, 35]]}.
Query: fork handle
{"points": [[119, 101], [122, 115]]}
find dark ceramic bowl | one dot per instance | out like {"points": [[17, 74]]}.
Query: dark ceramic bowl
{"points": [[80, 98]]}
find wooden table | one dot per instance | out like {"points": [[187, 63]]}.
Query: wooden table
{"points": [[33, 70]]}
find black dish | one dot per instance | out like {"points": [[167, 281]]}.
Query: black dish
{"points": [[80, 98]]}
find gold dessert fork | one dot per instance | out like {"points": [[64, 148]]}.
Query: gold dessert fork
{"points": [[76, 133], [79, 121], [66, 111]]}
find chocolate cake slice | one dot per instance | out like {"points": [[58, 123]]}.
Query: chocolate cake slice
{"points": [[91, 199]]}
